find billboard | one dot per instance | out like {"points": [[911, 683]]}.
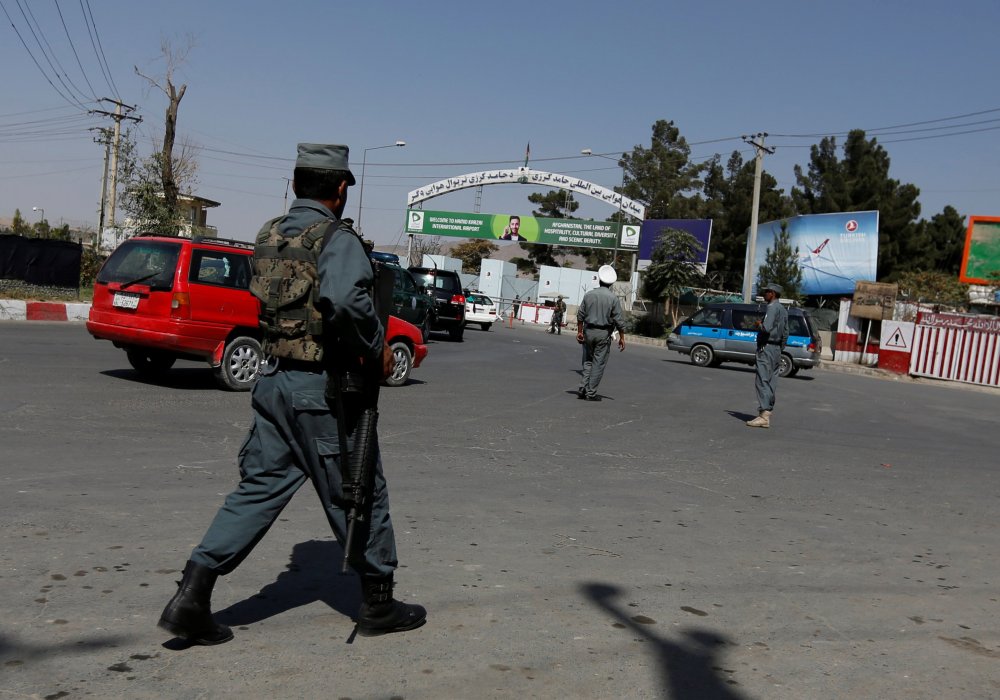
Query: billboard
{"points": [[981, 258], [835, 250], [701, 229], [576, 233]]}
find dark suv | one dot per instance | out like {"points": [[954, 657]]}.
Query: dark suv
{"points": [[409, 301], [449, 299]]}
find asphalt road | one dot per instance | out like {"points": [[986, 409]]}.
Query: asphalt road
{"points": [[648, 546]]}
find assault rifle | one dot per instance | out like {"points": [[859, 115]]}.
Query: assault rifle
{"points": [[357, 468]]}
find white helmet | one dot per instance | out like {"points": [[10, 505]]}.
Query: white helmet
{"points": [[607, 275]]}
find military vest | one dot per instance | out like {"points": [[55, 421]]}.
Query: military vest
{"points": [[286, 281]]}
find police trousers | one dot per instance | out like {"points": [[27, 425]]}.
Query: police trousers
{"points": [[768, 360], [597, 350], [293, 438]]}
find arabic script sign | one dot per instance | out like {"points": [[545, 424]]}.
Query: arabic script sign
{"points": [[987, 324], [527, 176]]}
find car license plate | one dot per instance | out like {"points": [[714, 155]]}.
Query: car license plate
{"points": [[123, 300]]}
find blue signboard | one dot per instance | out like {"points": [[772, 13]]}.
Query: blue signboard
{"points": [[701, 229], [834, 250]]}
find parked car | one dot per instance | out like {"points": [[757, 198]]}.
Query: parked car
{"points": [[726, 332], [445, 286], [409, 301], [480, 309], [161, 298], [408, 350]]}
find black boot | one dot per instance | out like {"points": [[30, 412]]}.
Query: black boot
{"points": [[189, 613], [381, 614]]}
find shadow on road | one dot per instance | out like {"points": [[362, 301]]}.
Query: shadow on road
{"points": [[687, 666], [312, 574]]}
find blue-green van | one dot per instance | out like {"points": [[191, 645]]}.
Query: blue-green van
{"points": [[720, 333]]}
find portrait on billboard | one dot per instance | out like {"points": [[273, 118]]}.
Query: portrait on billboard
{"points": [[512, 231]]}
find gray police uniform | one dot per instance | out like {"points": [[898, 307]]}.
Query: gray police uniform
{"points": [[773, 335], [293, 436], [600, 313]]}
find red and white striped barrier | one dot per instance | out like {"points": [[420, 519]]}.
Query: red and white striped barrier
{"points": [[17, 310], [851, 331], [957, 347]]}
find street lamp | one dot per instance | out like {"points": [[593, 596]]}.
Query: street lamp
{"points": [[42, 217], [364, 161], [621, 194]]}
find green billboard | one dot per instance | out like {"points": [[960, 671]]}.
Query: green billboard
{"points": [[531, 229]]}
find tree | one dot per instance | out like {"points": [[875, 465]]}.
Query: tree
{"points": [[663, 175], [861, 182], [471, 253], [421, 246], [672, 269], [173, 60], [933, 287], [781, 265], [19, 226], [946, 233]]}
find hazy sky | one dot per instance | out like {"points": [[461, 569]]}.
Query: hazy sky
{"points": [[468, 84]]}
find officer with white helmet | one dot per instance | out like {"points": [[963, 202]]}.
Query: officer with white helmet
{"points": [[599, 315]]}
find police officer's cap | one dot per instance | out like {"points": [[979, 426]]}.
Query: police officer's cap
{"points": [[776, 288], [607, 274], [325, 156]]}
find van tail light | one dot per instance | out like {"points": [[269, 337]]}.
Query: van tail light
{"points": [[812, 347], [180, 305], [458, 299]]}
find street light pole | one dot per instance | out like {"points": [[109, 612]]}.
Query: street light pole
{"points": [[364, 161], [42, 217], [621, 196]]}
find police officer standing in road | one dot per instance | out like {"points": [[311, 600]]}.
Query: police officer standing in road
{"points": [[315, 282], [599, 315], [772, 334]]}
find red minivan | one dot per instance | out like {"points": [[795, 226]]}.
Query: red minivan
{"points": [[161, 298]]}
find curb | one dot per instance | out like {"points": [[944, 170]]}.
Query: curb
{"points": [[17, 310]]}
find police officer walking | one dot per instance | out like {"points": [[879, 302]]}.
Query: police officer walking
{"points": [[772, 334], [315, 281], [599, 315]]}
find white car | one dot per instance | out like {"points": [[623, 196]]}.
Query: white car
{"points": [[480, 309]]}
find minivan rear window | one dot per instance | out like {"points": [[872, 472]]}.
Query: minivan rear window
{"points": [[797, 326], [151, 263]]}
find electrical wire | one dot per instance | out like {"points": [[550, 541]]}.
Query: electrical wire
{"points": [[79, 63], [95, 42]]}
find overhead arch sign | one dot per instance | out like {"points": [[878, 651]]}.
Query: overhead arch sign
{"points": [[527, 176]]}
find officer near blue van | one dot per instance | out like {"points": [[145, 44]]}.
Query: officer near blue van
{"points": [[315, 281], [598, 317], [772, 334]]}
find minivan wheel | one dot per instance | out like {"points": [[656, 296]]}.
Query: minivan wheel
{"points": [[402, 363], [149, 363], [240, 364], [702, 355], [425, 329], [786, 368]]}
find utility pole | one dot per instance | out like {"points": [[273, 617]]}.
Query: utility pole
{"points": [[105, 140], [118, 115], [752, 240]]}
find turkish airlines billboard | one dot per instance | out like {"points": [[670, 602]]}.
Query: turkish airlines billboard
{"points": [[835, 251]]}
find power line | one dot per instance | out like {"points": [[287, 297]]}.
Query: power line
{"points": [[95, 42], [33, 59], [93, 92], [32, 24]]}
